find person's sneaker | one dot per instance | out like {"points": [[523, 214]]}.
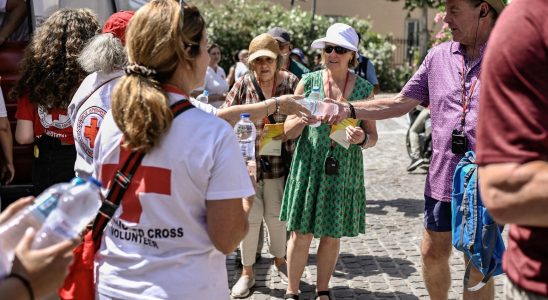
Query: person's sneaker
{"points": [[281, 271], [415, 163], [242, 286]]}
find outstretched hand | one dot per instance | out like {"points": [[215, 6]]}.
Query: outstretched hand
{"points": [[290, 105]]}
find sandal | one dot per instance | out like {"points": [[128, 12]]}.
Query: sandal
{"points": [[291, 296], [323, 293]]}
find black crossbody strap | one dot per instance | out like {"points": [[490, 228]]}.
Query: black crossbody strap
{"points": [[261, 95], [122, 180]]}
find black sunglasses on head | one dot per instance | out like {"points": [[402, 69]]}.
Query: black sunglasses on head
{"points": [[338, 49]]}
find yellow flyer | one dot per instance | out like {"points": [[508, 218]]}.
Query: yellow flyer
{"points": [[338, 132], [268, 145]]}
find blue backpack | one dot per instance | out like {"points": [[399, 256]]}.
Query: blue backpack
{"points": [[474, 231]]}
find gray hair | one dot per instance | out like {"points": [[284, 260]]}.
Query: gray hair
{"points": [[103, 53]]}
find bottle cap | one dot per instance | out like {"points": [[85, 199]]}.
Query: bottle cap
{"points": [[77, 181], [315, 88], [245, 115], [95, 181], [205, 93]]}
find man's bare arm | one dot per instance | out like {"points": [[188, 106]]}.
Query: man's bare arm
{"points": [[516, 193], [377, 109]]}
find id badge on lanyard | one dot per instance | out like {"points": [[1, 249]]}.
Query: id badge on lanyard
{"points": [[459, 142]]}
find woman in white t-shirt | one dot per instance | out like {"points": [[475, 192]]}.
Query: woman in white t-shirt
{"points": [[179, 216], [215, 78]]}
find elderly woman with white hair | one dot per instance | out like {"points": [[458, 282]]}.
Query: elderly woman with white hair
{"points": [[325, 194], [104, 58]]}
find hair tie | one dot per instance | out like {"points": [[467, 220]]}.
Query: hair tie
{"points": [[136, 69]]}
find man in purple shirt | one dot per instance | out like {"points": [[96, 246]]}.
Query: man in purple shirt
{"points": [[448, 82]]}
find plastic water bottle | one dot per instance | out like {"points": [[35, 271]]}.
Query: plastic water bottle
{"points": [[32, 216], [313, 102], [317, 107], [203, 97], [246, 133], [75, 210]]}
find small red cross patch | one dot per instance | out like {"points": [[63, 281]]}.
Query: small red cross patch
{"points": [[90, 132]]}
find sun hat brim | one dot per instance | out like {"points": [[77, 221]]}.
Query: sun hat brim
{"points": [[320, 43], [262, 52]]}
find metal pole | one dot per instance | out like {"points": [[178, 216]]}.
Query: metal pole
{"points": [[312, 19]]}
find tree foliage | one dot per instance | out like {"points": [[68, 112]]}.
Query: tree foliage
{"points": [[234, 23]]}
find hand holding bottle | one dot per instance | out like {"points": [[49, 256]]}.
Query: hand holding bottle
{"points": [[46, 268]]}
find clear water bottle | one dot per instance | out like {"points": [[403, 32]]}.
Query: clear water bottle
{"points": [[203, 97], [317, 107], [246, 133], [76, 208], [32, 216], [314, 99]]}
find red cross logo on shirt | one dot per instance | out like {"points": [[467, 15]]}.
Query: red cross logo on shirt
{"points": [[147, 179], [55, 115], [90, 132]]}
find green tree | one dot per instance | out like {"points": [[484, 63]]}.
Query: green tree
{"points": [[234, 23]]}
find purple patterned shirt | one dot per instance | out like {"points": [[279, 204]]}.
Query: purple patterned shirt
{"points": [[438, 84]]}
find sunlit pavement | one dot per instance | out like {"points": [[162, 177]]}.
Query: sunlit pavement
{"points": [[383, 263]]}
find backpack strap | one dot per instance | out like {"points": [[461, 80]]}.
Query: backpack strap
{"points": [[122, 180], [485, 279], [472, 175]]}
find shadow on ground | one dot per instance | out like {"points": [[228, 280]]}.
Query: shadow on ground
{"points": [[411, 208]]}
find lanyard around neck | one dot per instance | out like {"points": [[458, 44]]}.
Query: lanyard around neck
{"points": [[329, 95], [329, 85], [466, 97]]}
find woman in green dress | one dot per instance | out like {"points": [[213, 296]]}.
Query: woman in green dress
{"points": [[325, 193]]}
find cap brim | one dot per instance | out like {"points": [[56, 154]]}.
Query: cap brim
{"points": [[281, 39], [262, 52], [320, 43]]}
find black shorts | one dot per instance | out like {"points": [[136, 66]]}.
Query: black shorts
{"points": [[437, 215], [54, 164]]}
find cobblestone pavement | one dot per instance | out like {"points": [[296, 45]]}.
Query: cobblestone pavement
{"points": [[383, 263]]}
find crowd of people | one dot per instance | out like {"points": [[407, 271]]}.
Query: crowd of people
{"points": [[88, 99]]}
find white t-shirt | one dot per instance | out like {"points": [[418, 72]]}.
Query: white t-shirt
{"points": [[87, 120], [240, 71], [215, 81], [156, 246], [3, 111]]}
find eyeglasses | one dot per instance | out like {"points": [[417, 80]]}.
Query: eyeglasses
{"points": [[338, 49]]}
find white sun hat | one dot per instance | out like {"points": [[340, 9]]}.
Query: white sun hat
{"points": [[339, 34]]}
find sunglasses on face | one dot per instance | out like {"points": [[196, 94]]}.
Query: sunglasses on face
{"points": [[338, 49]]}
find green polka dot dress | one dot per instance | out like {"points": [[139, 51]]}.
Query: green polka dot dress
{"points": [[321, 204]]}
